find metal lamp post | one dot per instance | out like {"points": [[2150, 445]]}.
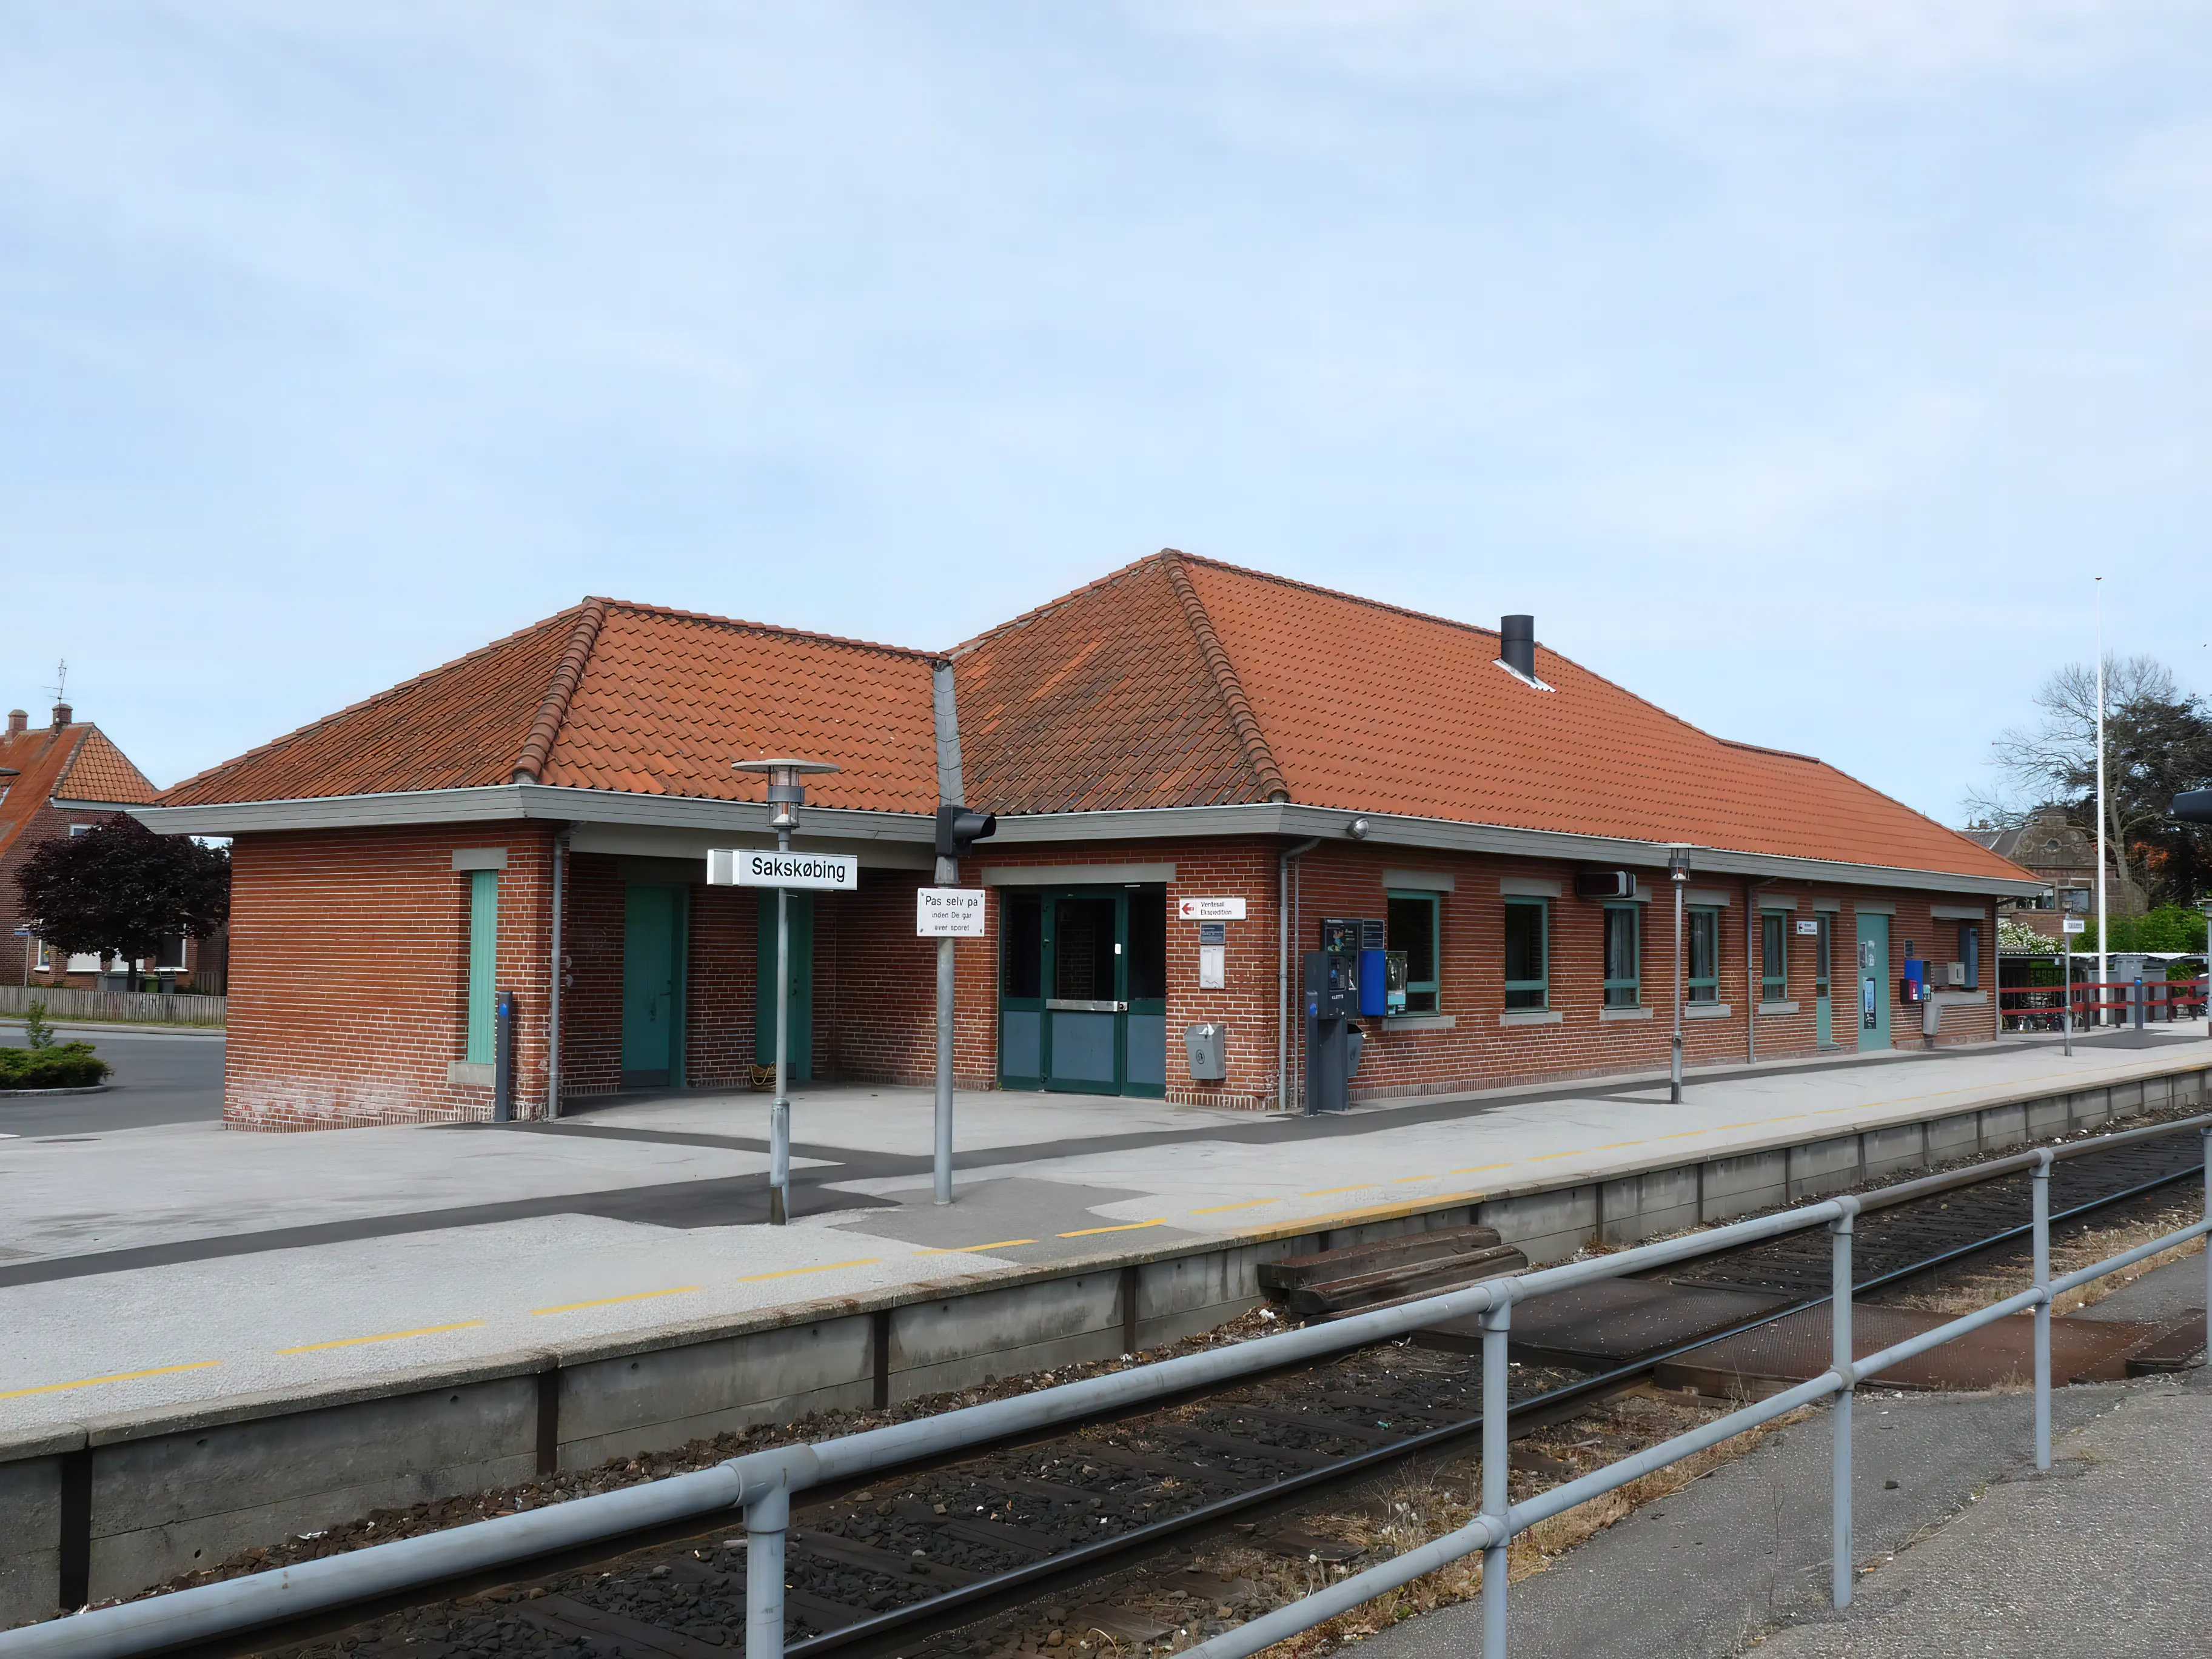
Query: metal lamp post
{"points": [[787, 795], [1678, 874]]}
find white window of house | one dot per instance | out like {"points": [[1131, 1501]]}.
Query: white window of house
{"points": [[76, 830], [172, 953]]}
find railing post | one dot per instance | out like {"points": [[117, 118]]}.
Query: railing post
{"points": [[766, 1518], [1496, 1500], [2042, 1180], [1839, 1321]]}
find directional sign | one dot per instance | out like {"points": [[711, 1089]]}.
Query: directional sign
{"points": [[1210, 909], [743, 867], [1808, 926], [948, 913]]}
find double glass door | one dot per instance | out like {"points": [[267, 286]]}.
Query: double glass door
{"points": [[1083, 990]]}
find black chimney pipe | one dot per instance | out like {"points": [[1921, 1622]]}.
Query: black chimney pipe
{"points": [[1517, 644]]}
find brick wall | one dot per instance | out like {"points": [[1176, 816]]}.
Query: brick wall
{"points": [[349, 983]]}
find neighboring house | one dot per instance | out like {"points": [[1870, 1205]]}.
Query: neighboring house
{"points": [[2063, 857], [536, 817], [63, 779]]}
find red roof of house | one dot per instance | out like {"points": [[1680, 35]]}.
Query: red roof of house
{"points": [[79, 763], [615, 695], [1175, 682]]}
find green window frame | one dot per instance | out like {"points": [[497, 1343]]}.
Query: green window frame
{"points": [[1527, 955], [1414, 923], [1703, 957], [1624, 956], [1823, 958], [483, 963], [1773, 956]]}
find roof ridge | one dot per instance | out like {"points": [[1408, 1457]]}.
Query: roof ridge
{"points": [[1331, 592], [1257, 753], [531, 761], [771, 628], [389, 691], [975, 642], [1761, 748]]}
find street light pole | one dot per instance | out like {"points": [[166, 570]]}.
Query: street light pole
{"points": [[786, 795], [1678, 876]]}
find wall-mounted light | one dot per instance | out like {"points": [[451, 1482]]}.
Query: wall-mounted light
{"points": [[1357, 828]]}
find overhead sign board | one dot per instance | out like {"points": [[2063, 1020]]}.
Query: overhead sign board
{"points": [[1210, 909], [948, 913], [744, 866], [2073, 924]]}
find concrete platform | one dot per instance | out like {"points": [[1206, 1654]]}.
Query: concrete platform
{"points": [[210, 1339], [162, 1266]]}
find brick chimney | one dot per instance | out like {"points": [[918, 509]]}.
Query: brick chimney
{"points": [[19, 721], [62, 714]]}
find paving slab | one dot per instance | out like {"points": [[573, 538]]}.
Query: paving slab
{"points": [[2109, 1563]]}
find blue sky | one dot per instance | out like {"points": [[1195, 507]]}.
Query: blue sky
{"points": [[1798, 365]]}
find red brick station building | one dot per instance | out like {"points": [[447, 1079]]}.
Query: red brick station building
{"points": [[1180, 730]]}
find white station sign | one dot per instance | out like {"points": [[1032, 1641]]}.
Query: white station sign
{"points": [[1209, 910], [948, 913], [2073, 924], [744, 866]]}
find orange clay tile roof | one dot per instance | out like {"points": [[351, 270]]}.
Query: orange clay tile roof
{"points": [[1174, 682], [1105, 699], [101, 772], [615, 695], [78, 763]]}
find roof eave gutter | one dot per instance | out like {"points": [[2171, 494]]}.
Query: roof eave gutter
{"points": [[506, 802], [612, 807], [1448, 834]]}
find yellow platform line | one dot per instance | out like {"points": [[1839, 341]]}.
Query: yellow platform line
{"points": [[1248, 1204], [609, 1301], [113, 1376], [1125, 1227], [1356, 1186], [962, 1250], [1477, 1169], [1571, 1151], [382, 1336], [827, 1266], [1400, 1181]]}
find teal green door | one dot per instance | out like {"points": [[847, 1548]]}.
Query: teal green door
{"points": [[1824, 965], [1083, 991], [652, 1002], [800, 1057], [1874, 982]]}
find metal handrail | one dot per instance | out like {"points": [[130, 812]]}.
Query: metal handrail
{"points": [[762, 1482], [1493, 1530]]}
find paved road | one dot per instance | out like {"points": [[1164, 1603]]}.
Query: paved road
{"points": [[159, 1078]]}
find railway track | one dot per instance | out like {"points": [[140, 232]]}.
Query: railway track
{"points": [[909, 1562]]}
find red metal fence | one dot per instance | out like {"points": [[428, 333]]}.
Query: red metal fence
{"points": [[2042, 1007]]}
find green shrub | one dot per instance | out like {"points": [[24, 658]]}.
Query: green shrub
{"points": [[60, 1066]]}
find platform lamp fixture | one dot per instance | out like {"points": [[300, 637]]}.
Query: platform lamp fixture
{"points": [[1678, 876], [786, 795]]}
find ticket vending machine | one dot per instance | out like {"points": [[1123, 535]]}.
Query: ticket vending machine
{"points": [[1331, 1003]]}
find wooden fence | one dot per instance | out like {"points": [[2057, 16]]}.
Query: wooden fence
{"points": [[146, 1008]]}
